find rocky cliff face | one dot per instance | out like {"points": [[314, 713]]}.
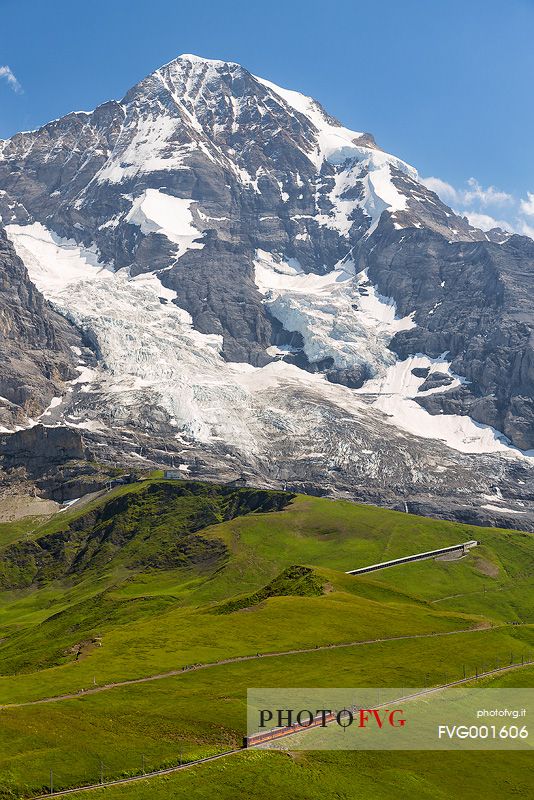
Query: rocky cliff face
{"points": [[40, 447], [35, 344], [271, 290], [473, 301]]}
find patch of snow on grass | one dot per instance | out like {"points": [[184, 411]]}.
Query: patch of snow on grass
{"points": [[67, 504]]}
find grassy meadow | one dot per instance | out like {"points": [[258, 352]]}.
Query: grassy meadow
{"points": [[162, 575]]}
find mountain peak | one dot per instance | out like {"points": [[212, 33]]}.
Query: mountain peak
{"points": [[199, 62], [216, 62]]}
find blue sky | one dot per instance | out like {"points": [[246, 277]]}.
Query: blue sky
{"points": [[446, 85]]}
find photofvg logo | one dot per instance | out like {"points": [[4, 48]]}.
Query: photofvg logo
{"points": [[282, 721], [288, 713], [386, 719]]}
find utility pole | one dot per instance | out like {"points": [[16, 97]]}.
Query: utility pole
{"points": [[51, 781], [464, 672], [143, 763], [101, 771]]}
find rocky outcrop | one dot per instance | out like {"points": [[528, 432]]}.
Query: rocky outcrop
{"points": [[35, 344], [435, 380], [39, 448]]}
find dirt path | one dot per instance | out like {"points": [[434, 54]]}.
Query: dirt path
{"points": [[237, 659]]}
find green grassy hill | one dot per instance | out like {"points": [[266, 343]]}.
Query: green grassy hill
{"points": [[241, 588]]}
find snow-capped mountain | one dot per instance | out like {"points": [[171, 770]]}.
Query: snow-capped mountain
{"points": [[264, 289]]}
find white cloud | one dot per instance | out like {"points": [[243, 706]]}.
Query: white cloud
{"points": [[485, 222], [486, 197], [441, 188], [474, 194], [527, 206], [7, 73], [525, 229], [475, 199]]}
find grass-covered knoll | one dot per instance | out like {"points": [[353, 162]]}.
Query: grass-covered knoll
{"points": [[293, 581], [149, 526], [341, 535], [145, 634]]}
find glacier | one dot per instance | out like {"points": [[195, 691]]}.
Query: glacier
{"points": [[152, 356]]}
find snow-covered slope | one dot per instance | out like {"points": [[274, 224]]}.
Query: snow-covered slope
{"points": [[356, 159], [157, 212]]}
